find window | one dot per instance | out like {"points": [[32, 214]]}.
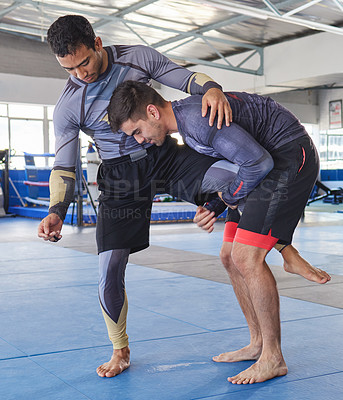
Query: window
{"points": [[30, 129], [51, 137], [26, 128], [335, 147], [4, 138], [25, 111], [323, 147], [26, 136], [331, 149], [3, 110]]}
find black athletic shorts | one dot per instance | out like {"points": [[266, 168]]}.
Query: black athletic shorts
{"points": [[128, 185], [274, 208]]}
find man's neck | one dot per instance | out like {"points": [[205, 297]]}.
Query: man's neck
{"points": [[104, 61], [170, 118]]}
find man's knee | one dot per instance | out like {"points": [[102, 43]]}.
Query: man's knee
{"points": [[225, 254], [112, 265], [247, 259]]}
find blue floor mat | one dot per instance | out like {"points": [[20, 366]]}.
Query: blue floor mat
{"points": [[181, 367], [52, 335]]}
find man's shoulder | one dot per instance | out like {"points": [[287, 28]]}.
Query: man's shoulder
{"points": [[192, 107], [121, 52], [190, 104], [188, 113], [72, 89]]}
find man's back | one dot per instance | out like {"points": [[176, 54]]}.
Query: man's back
{"points": [[269, 123]]}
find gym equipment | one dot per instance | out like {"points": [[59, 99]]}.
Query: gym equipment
{"points": [[333, 196], [32, 179]]}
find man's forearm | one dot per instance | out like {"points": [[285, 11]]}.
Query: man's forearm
{"points": [[62, 186], [200, 83], [239, 147], [248, 177]]}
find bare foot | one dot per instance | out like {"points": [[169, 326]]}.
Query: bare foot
{"points": [[295, 264], [246, 353], [260, 371], [119, 362]]}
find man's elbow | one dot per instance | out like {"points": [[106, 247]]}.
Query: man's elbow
{"points": [[267, 165]]}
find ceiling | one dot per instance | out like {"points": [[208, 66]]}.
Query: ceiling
{"points": [[187, 31]]}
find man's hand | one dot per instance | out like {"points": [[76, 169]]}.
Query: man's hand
{"points": [[50, 228], [205, 219], [219, 104]]}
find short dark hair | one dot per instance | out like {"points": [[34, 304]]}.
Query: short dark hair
{"points": [[129, 101], [68, 33]]}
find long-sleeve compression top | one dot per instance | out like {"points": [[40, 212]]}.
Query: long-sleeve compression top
{"points": [[260, 126], [83, 107]]}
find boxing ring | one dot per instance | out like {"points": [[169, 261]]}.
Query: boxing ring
{"points": [[31, 191]]}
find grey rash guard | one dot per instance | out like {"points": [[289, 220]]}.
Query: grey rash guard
{"points": [[83, 106], [260, 126]]}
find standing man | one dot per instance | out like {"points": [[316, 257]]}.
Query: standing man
{"points": [[130, 173], [263, 130]]}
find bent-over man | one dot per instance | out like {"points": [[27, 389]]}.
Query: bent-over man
{"points": [[263, 132]]}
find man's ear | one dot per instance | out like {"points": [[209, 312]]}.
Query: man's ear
{"points": [[152, 111], [98, 43]]}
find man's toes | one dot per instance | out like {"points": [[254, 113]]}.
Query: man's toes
{"points": [[241, 380], [233, 379], [324, 277], [327, 276], [324, 274]]}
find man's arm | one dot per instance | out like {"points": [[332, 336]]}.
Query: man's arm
{"points": [[213, 98], [170, 74], [62, 185], [62, 177], [239, 147]]}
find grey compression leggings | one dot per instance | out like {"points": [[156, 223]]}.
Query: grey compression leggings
{"points": [[219, 176]]}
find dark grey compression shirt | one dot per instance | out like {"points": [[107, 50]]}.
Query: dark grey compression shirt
{"points": [[260, 126]]}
